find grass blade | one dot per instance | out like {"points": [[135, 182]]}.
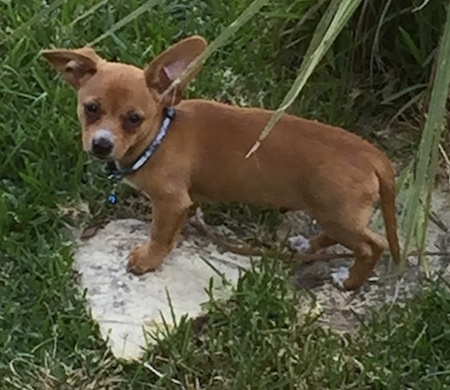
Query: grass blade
{"points": [[124, 21], [341, 11], [88, 12], [429, 146], [37, 17]]}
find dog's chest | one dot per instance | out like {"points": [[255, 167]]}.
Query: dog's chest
{"points": [[136, 186]]}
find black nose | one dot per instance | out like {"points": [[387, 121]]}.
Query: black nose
{"points": [[102, 147]]}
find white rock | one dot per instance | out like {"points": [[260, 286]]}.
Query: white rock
{"points": [[298, 243], [125, 306], [340, 276]]}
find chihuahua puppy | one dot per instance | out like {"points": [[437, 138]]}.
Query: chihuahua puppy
{"points": [[184, 152]]}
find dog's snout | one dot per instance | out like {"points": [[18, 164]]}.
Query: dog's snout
{"points": [[102, 146]]}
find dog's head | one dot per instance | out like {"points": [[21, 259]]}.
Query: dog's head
{"points": [[120, 105]]}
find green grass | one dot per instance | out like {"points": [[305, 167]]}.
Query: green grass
{"points": [[258, 341], [47, 339]]}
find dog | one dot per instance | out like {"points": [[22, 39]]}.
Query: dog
{"points": [[185, 152]]}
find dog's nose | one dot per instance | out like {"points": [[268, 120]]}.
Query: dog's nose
{"points": [[102, 146]]}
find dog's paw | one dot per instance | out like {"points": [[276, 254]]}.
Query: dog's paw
{"points": [[339, 277], [140, 260], [299, 243]]}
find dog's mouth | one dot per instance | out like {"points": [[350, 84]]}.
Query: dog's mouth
{"points": [[101, 157]]}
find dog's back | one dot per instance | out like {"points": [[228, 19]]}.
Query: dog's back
{"points": [[299, 164]]}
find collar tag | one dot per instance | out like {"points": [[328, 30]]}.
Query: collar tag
{"points": [[113, 198]]}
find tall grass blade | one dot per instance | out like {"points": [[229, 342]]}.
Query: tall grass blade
{"points": [[339, 12], [428, 152]]}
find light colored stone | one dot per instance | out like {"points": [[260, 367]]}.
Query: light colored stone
{"points": [[125, 306], [298, 243], [340, 276]]}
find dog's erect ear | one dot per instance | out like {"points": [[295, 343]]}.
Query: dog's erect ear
{"points": [[169, 65], [76, 66]]}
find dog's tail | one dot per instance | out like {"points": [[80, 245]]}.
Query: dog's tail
{"points": [[386, 178]]}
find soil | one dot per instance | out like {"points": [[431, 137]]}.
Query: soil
{"points": [[342, 311]]}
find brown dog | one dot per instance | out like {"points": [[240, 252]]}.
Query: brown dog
{"points": [[303, 165]]}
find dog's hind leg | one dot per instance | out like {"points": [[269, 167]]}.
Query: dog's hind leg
{"points": [[367, 247], [348, 226]]}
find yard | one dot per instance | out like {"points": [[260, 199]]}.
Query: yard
{"points": [[257, 339]]}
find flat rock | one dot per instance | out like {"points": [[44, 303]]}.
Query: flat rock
{"points": [[128, 307]]}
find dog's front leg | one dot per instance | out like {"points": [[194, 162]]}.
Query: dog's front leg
{"points": [[169, 216]]}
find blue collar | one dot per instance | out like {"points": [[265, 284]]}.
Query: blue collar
{"points": [[116, 174]]}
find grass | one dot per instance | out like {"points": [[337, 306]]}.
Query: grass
{"points": [[47, 184], [258, 341]]}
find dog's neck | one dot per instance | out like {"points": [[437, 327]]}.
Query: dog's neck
{"points": [[144, 151]]}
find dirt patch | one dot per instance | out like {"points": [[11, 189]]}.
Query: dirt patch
{"points": [[342, 311]]}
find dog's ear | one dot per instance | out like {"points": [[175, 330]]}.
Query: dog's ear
{"points": [[76, 66], [170, 64]]}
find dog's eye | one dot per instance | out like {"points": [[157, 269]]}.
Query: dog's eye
{"points": [[91, 108], [134, 119]]}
